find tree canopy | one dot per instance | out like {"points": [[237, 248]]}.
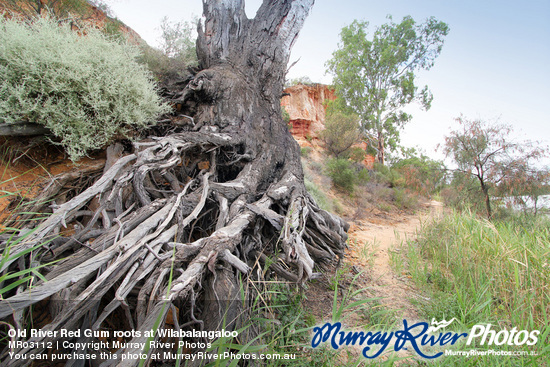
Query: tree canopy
{"points": [[376, 75], [484, 150]]}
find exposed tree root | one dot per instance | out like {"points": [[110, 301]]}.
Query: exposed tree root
{"points": [[174, 227], [182, 222]]}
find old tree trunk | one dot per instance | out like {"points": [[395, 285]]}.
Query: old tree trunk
{"points": [[176, 228]]}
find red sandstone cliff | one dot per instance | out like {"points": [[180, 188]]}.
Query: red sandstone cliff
{"points": [[305, 105], [82, 10]]}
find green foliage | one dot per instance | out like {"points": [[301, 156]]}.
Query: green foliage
{"points": [[85, 88], [404, 200], [112, 30], [363, 176], [484, 151], [388, 176], [421, 174], [286, 116], [376, 76], [342, 174], [357, 154], [482, 272], [177, 51], [178, 40], [341, 131], [25, 278], [178, 44], [19, 269], [318, 195], [303, 80], [278, 312], [305, 151], [463, 193]]}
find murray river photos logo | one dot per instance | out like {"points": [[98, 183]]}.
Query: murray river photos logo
{"points": [[418, 336]]}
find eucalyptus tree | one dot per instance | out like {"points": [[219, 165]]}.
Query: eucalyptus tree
{"points": [[376, 75]]}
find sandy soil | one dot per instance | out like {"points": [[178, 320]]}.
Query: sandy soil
{"points": [[372, 241], [371, 244]]}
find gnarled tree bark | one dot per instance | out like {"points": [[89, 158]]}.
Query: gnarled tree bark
{"points": [[177, 224]]}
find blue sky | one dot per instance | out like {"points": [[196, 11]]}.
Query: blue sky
{"points": [[494, 64]]}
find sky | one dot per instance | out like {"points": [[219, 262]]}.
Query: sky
{"points": [[494, 63]]}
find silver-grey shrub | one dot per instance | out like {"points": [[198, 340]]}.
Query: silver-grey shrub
{"points": [[85, 88]]}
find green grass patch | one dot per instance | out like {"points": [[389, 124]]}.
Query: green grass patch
{"points": [[320, 198], [481, 272]]}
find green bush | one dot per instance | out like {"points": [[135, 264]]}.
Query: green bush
{"points": [[342, 174], [404, 200], [421, 174], [82, 86], [177, 51], [318, 195], [341, 132], [388, 176], [357, 154], [463, 193], [363, 176]]}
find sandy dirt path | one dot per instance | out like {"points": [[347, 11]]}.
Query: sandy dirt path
{"points": [[372, 243]]}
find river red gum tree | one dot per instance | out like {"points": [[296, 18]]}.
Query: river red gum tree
{"points": [[170, 226]]}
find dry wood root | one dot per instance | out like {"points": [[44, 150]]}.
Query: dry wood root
{"points": [[166, 223], [169, 234]]}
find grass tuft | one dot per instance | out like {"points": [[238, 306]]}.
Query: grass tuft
{"points": [[481, 272]]}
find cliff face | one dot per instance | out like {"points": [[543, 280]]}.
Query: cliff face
{"points": [[305, 105], [82, 10]]}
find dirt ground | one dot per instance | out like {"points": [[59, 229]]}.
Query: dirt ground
{"points": [[373, 239], [371, 244], [23, 180]]}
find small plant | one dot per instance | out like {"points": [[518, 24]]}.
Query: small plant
{"points": [[19, 269], [26, 277], [303, 80], [404, 200], [86, 89], [363, 176], [388, 176], [385, 207], [379, 317], [342, 174], [319, 196], [305, 151], [368, 252], [351, 298], [285, 115], [357, 154]]}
